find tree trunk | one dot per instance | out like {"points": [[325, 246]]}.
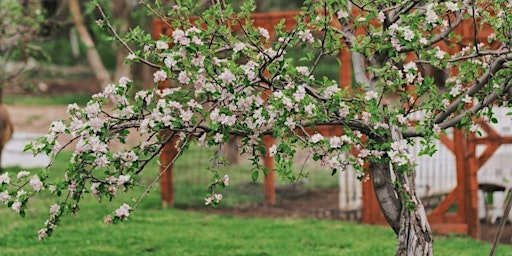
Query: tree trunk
{"points": [[410, 225], [396, 193], [93, 56]]}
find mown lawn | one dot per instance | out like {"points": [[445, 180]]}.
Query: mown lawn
{"points": [[157, 231]]}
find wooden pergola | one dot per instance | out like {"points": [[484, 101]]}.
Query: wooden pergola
{"points": [[457, 212]]}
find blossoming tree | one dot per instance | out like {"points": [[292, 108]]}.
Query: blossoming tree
{"points": [[244, 84]]}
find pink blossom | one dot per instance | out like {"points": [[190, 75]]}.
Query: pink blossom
{"points": [[440, 53], [112, 191], [238, 47], [227, 77], [159, 76], [309, 109], [431, 15], [72, 187], [197, 41], [335, 142], [331, 90], [92, 109], [58, 127], [287, 102], [437, 128], [218, 138], [16, 206], [453, 7], [300, 94], [131, 56], [170, 61], [317, 137], [303, 70], [342, 14], [225, 180], [123, 179], [4, 178], [54, 209], [264, 32], [407, 33], [124, 80], [41, 234], [4, 197], [365, 116], [94, 190], [272, 151], [290, 123], [161, 45], [180, 37], [183, 77], [306, 36], [198, 61], [36, 183], [186, 116], [371, 95]]}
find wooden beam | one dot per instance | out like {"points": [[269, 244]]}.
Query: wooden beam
{"points": [[447, 142], [471, 188], [167, 155], [269, 190]]}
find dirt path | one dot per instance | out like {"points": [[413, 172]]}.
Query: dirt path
{"points": [[35, 119]]}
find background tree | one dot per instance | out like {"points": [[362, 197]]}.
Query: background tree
{"points": [[244, 84]]}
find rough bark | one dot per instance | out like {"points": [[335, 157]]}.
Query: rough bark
{"points": [[414, 236], [403, 210], [93, 57]]}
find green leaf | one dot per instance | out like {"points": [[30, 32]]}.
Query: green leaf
{"points": [[254, 175]]}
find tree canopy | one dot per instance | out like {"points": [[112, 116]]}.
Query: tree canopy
{"points": [[243, 82]]}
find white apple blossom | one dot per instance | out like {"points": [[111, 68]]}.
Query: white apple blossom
{"points": [[342, 14], [183, 77], [16, 206], [4, 197], [306, 36], [4, 178], [264, 32], [161, 45], [123, 211], [227, 76], [317, 137], [335, 142], [159, 76], [239, 46], [54, 209], [272, 151]]}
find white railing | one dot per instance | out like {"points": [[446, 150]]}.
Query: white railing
{"points": [[437, 176]]}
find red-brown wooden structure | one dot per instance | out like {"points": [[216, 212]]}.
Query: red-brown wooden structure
{"points": [[443, 219]]}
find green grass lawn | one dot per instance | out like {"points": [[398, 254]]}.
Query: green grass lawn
{"points": [[40, 100], [157, 231]]}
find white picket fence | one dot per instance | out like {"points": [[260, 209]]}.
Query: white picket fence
{"points": [[436, 175]]}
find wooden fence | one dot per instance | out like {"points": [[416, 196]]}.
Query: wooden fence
{"points": [[454, 174]]}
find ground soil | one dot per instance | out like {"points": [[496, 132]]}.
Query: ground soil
{"points": [[306, 204]]}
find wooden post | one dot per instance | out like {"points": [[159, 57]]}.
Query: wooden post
{"points": [[461, 166], [269, 190], [167, 155], [471, 188]]}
